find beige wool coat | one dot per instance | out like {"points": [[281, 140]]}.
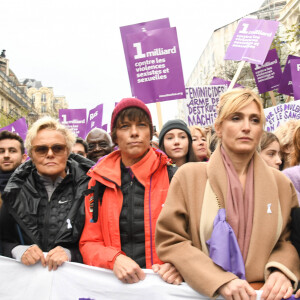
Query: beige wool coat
{"points": [[186, 222]]}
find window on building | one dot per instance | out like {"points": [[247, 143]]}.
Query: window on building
{"points": [[32, 99], [43, 98], [44, 108]]}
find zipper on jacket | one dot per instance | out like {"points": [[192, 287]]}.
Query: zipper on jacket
{"points": [[130, 211]]}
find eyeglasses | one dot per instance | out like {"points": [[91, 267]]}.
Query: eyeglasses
{"points": [[42, 150]]}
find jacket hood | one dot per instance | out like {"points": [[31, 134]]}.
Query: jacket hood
{"points": [[77, 164], [108, 169]]}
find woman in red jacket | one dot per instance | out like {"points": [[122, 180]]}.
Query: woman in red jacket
{"points": [[128, 189]]}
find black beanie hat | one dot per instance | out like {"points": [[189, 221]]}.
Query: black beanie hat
{"points": [[173, 124]]}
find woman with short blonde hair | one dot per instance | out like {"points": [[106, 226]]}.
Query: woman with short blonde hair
{"points": [[211, 225]]}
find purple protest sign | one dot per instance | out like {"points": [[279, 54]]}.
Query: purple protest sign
{"points": [[104, 127], [220, 81], [295, 72], [94, 118], [19, 127], [268, 75], [74, 119], [251, 40], [286, 86], [140, 27], [155, 71]]}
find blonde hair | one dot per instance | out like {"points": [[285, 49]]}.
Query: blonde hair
{"points": [[195, 128], [285, 132], [295, 154], [236, 99], [51, 124]]}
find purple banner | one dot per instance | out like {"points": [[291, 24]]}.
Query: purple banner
{"points": [[155, 65], [251, 40], [201, 104], [295, 71], [220, 81], [286, 86], [141, 27], [94, 118], [268, 75], [19, 127], [74, 119]]}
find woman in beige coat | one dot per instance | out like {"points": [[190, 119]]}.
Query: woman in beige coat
{"points": [[257, 201]]}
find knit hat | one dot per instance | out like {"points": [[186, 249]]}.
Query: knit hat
{"points": [[126, 103], [173, 124]]}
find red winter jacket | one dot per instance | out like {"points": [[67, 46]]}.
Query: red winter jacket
{"points": [[100, 242]]}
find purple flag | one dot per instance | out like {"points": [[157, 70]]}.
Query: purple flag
{"points": [[74, 119], [94, 118], [268, 75], [295, 71], [19, 127], [141, 27], [155, 65], [220, 81], [104, 127], [251, 40], [286, 86]]}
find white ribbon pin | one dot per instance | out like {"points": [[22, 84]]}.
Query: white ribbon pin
{"points": [[69, 226], [269, 208]]}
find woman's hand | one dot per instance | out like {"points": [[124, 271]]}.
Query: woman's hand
{"points": [[237, 289], [276, 287], [127, 270], [56, 257], [32, 255], [168, 273]]}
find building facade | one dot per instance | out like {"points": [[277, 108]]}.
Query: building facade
{"points": [[43, 98], [14, 102]]}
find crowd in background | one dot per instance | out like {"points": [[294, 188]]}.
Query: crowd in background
{"points": [[168, 200]]}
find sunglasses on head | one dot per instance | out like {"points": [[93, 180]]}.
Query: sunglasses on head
{"points": [[57, 149]]}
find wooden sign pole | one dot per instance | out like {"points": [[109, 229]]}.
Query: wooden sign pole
{"points": [[273, 98], [237, 74], [159, 116]]}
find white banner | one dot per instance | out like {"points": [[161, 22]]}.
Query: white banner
{"points": [[78, 281], [281, 113], [74, 281]]}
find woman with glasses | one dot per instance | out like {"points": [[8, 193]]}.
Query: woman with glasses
{"points": [[43, 202]]}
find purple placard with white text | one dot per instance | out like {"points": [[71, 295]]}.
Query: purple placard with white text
{"points": [[279, 114], [94, 118], [252, 40], [140, 27], [286, 85], [201, 104], [19, 127], [74, 119], [295, 72], [221, 81], [268, 75], [155, 65]]}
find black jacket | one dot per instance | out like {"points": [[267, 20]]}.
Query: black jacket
{"points": [[27, 217]]}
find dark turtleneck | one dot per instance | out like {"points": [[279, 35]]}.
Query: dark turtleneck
{"points": [[4, 177]]}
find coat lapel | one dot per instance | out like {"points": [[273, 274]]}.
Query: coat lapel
{"points": [[267, 219]]}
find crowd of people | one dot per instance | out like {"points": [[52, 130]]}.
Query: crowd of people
{"points": [[216, 207]]}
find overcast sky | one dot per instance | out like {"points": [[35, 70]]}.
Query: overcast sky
{"points": [[75, 46]]}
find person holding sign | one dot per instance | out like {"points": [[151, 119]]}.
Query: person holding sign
{"points": [[126, 193], [226, 223], [176, 141]]}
